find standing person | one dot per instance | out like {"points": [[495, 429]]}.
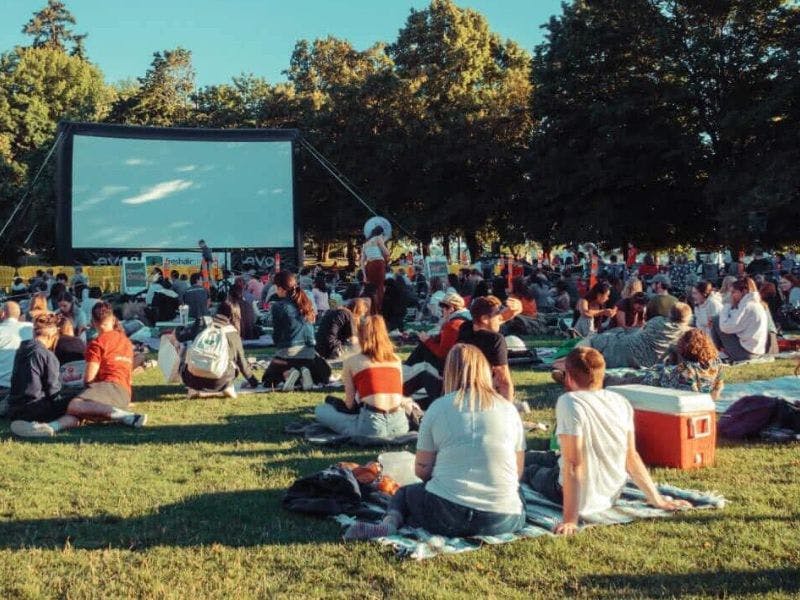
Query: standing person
{"points": [[321, 295], [662, 301], [630, 256], [598, 448], [36, 401], [373, 384], [470, 454], [707, 305], [296, 357], [374, 257]]}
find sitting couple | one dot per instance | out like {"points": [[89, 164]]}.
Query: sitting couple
{"points": [[40, 407], [471, 455]]}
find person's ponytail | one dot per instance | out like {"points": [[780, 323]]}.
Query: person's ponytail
{"points": [[287, 281]]}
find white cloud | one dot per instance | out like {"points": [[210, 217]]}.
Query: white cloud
{"points": [[159, 191], [277, 191], [135, 162], [103, 194], [186, 168]]}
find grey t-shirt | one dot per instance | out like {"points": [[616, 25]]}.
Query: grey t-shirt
{"points": [[476, 460], [603, 420]]}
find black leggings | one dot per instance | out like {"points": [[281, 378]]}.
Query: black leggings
{"points": [[319, 368]]}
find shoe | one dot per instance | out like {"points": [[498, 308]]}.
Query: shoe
{"points": [[192, 393], [305, 379], [291, 380], [522, 406], [139, 421], [558, 376], [230, 392], [31, 429]]}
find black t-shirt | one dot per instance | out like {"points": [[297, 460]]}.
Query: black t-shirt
{"points": [[493, 345], [335, 329], [69, 348]]}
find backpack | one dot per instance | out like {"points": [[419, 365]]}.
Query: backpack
{"points": [[209, 356], [748, 416]]}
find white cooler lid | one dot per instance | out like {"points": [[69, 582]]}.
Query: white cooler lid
{"points": [[664, 400]]}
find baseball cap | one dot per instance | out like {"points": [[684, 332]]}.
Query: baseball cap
{"points": [[453, 300]]}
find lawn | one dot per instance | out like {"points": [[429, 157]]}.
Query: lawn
{"points": [[189, 507]]}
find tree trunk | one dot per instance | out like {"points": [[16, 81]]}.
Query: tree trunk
{"points": [[351, 254], [446, 247]]}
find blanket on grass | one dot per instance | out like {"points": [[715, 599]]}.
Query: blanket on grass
{"points": [[542, 517], [316, 433], [787, 388]]}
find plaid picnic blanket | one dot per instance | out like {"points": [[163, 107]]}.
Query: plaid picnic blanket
{"points": [[542, 517]]}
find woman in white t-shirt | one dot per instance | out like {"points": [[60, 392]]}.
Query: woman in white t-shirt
{"points": [[321, 296], [707, 305], [470, 453]]}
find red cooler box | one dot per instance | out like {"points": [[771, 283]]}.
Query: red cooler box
{"points": [[674, 428]]}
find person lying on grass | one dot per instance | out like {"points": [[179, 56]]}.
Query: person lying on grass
{"points": [[470, 453], [598, 450], [36, 401]]}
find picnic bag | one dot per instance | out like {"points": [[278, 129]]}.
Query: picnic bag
{"points": [[209, 356]]}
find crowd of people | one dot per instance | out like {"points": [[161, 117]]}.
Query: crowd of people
{"points": [[455, 386]]}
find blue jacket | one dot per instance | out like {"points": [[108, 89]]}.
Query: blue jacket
{"points": [[289, 328]]}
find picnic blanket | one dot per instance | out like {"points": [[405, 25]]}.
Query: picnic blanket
{"points": [[542, 517], [316, 433], [781, 387]]}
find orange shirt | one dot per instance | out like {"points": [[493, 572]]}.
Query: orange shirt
{"points": [[114, 352], [529, 308]]}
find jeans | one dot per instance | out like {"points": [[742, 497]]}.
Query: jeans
{"points": [[541, 473], [420, 508], [365, 423]]}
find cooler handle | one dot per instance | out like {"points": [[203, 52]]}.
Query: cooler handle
{"points": [[700, 427]]}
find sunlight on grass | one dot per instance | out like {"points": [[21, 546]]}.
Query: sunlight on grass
{"points": [[191, 507]]}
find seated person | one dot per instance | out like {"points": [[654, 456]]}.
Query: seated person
{"points": [[527, 321], [36, 402], [196, 297], [239, 312], [337, 334], [662, 301], [483, 331], [161, 298], [742, 327], [598, 450], [69, 348], [373, 383], [592, 311], [630, 312], [433, 349], [470, 453], [70, 310], [238, 364], [293, 318], [642, 347], [693, 366]]}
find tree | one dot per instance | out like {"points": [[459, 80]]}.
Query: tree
{"points": [[469, 93], [49, 28], [38, 88], [164, 95]]}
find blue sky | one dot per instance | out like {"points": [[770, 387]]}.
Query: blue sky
{"points": [[228, 37]]}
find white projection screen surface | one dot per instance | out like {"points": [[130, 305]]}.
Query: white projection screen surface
{"points": [[131, 193]]}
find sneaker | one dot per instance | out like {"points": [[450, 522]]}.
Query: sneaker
{"points": [[291, 380], [230, 392], [305, 379], [192, 393], [522, 406], [139, 421], [31, 429]]}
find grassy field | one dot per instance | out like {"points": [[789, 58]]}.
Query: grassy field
{"points": [[190, 508]]}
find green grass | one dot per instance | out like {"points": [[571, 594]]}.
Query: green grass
{"points": [[190, 508]]}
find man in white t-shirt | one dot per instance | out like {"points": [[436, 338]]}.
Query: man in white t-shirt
{"points": [[12, 334], [598, 450]]}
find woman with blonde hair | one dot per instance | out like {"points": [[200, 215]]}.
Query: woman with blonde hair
{"points": [[373, 388], [470, 456], [632, 286]]}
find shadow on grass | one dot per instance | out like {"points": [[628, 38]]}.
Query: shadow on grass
{"points": [[235, 428], [238, 519], [713, 583]]}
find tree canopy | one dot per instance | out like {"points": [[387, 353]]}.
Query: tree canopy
{"points": [[657, 121]]}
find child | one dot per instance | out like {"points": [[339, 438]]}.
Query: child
{"points": [[598, 453]]}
